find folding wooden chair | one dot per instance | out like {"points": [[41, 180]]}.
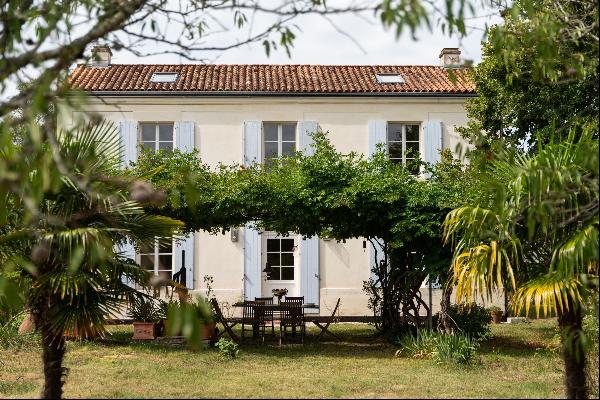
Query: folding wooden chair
{"points": [[324, 329], [292, 315], [226, 323], [268, 312]]}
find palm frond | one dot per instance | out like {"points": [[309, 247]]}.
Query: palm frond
{"points": [[552, 293]]}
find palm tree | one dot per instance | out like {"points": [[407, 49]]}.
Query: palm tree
{"points": [[77, 275], [538, 230]]}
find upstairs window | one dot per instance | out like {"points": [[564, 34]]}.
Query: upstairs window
{"points": [[279, 139], [389, 78], [403, 143], [164, 77], [157, 136]]}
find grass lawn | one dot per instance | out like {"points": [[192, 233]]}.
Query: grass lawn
{"points": [[520, 361]]}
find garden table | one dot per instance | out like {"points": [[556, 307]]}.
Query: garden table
{"points": [[275, 308]]}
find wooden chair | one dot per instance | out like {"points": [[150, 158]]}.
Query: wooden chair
{"points": [[292, 315], [295, 299], [227, 323], [324, 329], [253, 315], [268, 312]]}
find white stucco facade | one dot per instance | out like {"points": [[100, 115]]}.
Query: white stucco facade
{"points": [[219, 137]]}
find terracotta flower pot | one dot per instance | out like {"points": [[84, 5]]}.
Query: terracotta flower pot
{"points": [[496, 316], [27, 326], [143, 330]]}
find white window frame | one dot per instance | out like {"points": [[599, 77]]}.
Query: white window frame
{"points": [[280, 140], [404, 141], [157, 140], [157, 252], [274, 236]]}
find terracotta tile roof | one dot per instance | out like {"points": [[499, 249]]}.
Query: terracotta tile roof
{"points": [[267, 79]]}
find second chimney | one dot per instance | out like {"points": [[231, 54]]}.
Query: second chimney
{"points": [[450, 57], [101, 56]]}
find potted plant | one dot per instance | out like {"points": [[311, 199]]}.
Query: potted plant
{"points": [[279, 293], [145, 314], [496, 313]]}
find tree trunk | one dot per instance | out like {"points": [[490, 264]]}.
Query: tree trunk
{"points": [[573, 356], [53, 352], [444, 322]]}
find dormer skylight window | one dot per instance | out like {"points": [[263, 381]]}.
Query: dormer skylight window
{"points": [[164, 77], [389, 78]]}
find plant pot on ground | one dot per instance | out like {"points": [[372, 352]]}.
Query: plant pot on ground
{"points": [[496, 314], [145, 313]]}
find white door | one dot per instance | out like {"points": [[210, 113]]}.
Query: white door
{"points": [[281, 253]]}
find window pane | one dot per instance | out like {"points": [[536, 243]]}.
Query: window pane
{"points": [[287, 274], [165, 262], [395, 150], [412, 149], [147, 262], [149, 145], [275, 274], [148, 132], [274, 259], [271, 132], [394, 133], [271, 150], [288, 132], [165, 246], [288, 148], [144, 248], [165, 145], [272, 244], [287, 259], [165, 132], [287, 244], [412, 132], [165, 274]]}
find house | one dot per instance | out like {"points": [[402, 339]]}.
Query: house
{"points": [[246, 113]]}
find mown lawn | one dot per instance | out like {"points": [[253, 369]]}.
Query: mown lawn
{"points": [[520, 361]]}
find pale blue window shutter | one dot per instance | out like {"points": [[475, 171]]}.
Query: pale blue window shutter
{"points": [[184, 136], [305, 128], [376, 255], [252, 142], [252, 260], [309, 270], [184, 249], [377, 134], [432, 138], [184, 257], [127, 250], [128, 136]]}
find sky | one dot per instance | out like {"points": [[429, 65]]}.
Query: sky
{"points": [[319, 42]]}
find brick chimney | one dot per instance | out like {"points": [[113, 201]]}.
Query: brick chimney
{"points": [[100, 56], [450, 57]]}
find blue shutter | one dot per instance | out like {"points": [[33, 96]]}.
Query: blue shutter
{"points": [[376, 255], [185, 245], [127, 250], [377, 134], [184, 141], [305, 128], [252, 260], [309, 269], [128, 136], [184, 136], [432, 138], [252, 143]]}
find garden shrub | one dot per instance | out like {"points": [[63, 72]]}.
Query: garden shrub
{"points": [[228, 348], [456, 349], [10, 337], [472, 320]]}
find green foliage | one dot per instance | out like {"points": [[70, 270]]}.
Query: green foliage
{"points": [[539, 69], [228, 348], [591, 330], [471, 320], [189, 319], [456, 349], [145, 309], [10, 337]]}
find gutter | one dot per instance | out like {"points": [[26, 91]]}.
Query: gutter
{"points": [[274, 94]]}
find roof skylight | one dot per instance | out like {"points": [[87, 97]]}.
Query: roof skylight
{"points": [[164, 77], [389, 78]]}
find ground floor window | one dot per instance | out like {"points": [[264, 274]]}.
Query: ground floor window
{"points": [[280, 257], [158, 258]]}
